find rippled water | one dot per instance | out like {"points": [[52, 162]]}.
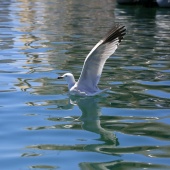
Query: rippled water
{"points": [[42, 127]]}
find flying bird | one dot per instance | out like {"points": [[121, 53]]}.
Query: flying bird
{"points": [[94, 63]]}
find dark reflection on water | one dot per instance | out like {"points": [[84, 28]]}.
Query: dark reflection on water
{"points": [[42, 127]]}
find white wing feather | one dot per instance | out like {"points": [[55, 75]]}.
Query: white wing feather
{"points": [[95, 60]]}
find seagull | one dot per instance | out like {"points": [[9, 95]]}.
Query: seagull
{"points": [[94, 63]]}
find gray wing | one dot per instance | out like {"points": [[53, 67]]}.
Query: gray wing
{"points": [[95, 60]]}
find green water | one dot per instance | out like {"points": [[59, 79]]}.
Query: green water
{"points": [[42, 127]]}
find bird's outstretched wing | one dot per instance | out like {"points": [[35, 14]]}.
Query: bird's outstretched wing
{"points": [[95, 60]]}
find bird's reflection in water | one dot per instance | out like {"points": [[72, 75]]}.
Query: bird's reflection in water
{"points": [[91, 114], [90, 118]]}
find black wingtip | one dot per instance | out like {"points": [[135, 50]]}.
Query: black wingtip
{"points": [[117, 31]]}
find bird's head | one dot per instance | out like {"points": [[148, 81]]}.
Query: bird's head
{"points": [[69, 79]]}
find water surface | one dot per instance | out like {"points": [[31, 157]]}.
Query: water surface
{"points": [[42, 127]]}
